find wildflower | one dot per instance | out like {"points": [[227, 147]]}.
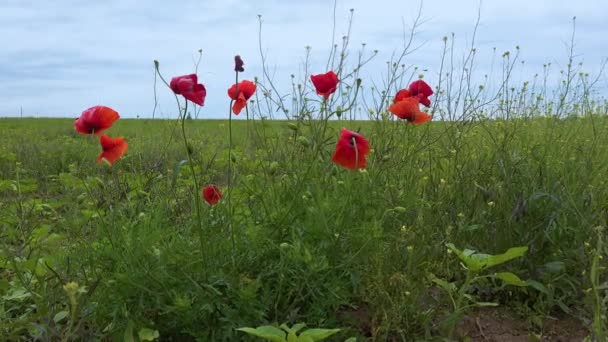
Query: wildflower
{"points": [[408, 109], [238, 64], [422, 91], [241, 92], [351, 150], [189, 88], [95, 120], [211, 194], [325, 84], [112, 148]]}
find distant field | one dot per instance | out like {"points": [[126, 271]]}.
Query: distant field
{"points": [[297, 238]]}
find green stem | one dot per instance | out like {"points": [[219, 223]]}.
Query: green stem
{"points": [[197, 199], [231, 225]]}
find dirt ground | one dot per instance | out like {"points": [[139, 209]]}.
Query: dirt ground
{"points": [[499, 325]]}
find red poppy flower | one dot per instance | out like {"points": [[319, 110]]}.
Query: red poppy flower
{"points": [[325, 84], [421, 90], [189, 87], [351, 150], [113, 148], [401, 94], [211, 194], [246, 89], [95, 120], [238, 64], [408, 109]]}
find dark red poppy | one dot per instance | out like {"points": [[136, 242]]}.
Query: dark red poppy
{"points": [[211, 194], [113, 148], [325, 84], [238, 64], [408, 109], [95, 120], [189, 87], [421, 90], [351, 150], [241, 94]]}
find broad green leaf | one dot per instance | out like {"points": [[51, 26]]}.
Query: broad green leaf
{"points": [[479, 261], [351, 339], [267, 332], [511, 278], [510, 254], [305, 339], [147, 334], [319, 334], [297, 327]]}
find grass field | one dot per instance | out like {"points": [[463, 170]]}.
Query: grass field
{"points": [[92, 251]]}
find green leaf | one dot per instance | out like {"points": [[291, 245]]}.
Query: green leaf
{"points": [[297, 327], [511, 279], [479, 261], [267, 332], [510, 254], [448, 287], [538, 286], [60, 316], [176, 171], [351, 339], [146, 334], [318, 334]]}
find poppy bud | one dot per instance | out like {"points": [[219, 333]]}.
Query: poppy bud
{"points": [[292, 126], [303, 141], [238, 64]]}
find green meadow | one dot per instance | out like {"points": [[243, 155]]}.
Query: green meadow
{"points": [[454, 230]]}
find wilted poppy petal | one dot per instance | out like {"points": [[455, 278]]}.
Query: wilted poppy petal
{"points": [[112, 148], [325, 84], [238, 64], [95, 120]]}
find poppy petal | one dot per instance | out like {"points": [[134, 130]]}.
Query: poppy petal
{"points": [[421, 118], [95, 120], [406, 108], [401, 94], [420, 87], [112, 148], [325, 84]]}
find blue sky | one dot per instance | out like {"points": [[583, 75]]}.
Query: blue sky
{"points": [[61, 57]]}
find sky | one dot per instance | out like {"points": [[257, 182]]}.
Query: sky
{"points": [[60, 57]]}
